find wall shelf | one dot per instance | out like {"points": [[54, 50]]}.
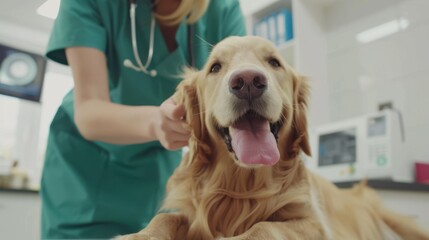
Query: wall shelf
{"points": [[269, 8]]}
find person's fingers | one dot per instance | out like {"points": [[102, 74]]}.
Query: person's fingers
{"points": [[167, 108], [178, 112], [176, 126], [180, 144], [181, 127], [175, 145], [173, 110], [179, 137], [176, 130]]}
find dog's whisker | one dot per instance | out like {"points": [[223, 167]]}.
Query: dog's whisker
{"points": [[204, 41]]}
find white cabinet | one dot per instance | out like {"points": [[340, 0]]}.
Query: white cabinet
{"points": [[19, 215]]}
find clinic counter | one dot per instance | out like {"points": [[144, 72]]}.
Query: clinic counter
{"points": [[389, 185], [13, 190], [376, 184]]}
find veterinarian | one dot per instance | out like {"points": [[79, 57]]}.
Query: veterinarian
{"points": [[116, 137]]}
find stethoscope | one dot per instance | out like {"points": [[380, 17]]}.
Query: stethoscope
{"points": [[144, 68]]}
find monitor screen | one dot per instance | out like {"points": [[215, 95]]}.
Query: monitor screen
{"points": [[377, 126], [337, 148], [21, 73]]}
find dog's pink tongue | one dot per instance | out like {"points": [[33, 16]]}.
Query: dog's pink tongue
{"points": [[253, 142]]}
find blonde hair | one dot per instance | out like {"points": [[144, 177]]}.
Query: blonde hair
{"points": [[192, 9]]}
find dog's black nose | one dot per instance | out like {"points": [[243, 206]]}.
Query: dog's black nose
{"points": [[248, 84]]}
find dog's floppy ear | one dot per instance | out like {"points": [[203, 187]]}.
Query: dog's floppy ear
{"points": [[301, 92], [187, 94]]}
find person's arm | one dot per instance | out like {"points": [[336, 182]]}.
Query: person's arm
{"points": [[98, 119]]}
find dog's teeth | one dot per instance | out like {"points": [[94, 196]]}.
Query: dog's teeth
{"points": [[227, 139], [275, 127]]}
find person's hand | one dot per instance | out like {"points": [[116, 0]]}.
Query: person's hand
{"points": [[171, 130]]}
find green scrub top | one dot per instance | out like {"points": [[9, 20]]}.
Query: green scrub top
{"points": [[99, 190]]}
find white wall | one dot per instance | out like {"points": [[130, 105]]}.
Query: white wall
{"points": [[393, 68], [24, 124], [20, 216]]}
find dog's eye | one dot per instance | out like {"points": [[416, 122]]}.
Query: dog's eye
{"points": [[215, 68], [274, 62]]}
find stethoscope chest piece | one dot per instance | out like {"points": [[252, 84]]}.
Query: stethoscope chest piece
{"points": [[127, 62]]}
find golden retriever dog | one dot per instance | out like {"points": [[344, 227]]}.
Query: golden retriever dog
{"points": [[243, 177]]}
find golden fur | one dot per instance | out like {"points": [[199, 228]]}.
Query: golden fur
{"points": [[215, 196]]}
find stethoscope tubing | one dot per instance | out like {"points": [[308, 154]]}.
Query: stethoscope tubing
{"points": [[134, 38], [127, 62], [144, 68]]}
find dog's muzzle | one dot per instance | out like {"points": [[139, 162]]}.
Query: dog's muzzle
{"points": [[252, 140]]}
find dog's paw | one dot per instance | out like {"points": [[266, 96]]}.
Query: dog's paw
{"points": [[136, 236]]}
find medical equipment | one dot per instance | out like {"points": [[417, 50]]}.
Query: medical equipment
{"points": [[21, 73], [140, 67], [371, 146]]}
